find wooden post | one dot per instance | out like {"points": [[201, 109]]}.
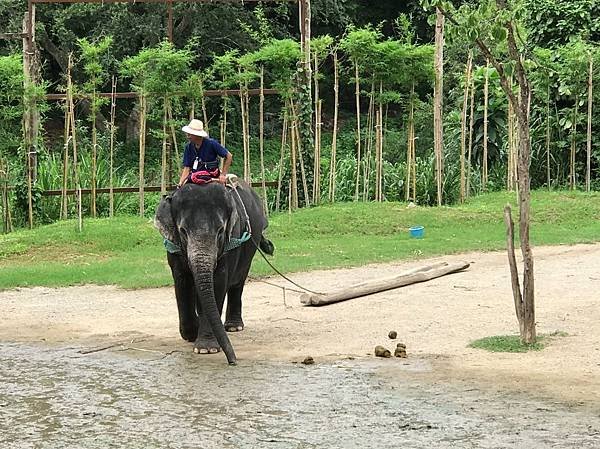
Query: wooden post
{"points": [[438, 98], [470, 146], [65, 174], [305, 107], [358, 133], [336, 101], [163, 163], [284, 133], [463, 129], [113, 104], [31, 114], [142, 149], [589, 126], [486, 94], [170, 20], [572, 176], [262, 139]]}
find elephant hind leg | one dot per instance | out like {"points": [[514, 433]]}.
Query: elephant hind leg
{"points": [[233, 317]]}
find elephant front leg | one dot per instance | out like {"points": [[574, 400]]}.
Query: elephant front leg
{"points": [[185, 293], [233, 319]]}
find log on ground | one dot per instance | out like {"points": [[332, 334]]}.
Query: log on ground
{"points": [[414, 276]]}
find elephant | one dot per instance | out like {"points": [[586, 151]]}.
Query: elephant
{"points": [[211, 234]]}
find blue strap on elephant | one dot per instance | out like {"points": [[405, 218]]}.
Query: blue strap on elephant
{"points": [[236, 243], [171, 247]]}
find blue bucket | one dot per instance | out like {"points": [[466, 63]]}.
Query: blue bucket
{"points": [[416, 232]]}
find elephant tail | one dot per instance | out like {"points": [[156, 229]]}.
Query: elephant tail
{"points": [[266, 246]]}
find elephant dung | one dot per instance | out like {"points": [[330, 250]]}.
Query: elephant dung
{"points": [[380, 351], [308, 361], [400, 351], [393, 335]]}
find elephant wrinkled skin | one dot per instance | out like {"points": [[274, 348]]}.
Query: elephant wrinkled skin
{"points": [[200, 221]]}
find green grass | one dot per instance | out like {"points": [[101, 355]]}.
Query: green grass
{"points": [[512, 343], [127, 251]]}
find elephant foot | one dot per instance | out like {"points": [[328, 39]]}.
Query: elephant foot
{"points": [[188, 333], [234, 325], [206, 346]]}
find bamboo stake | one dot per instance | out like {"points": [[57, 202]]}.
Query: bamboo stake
{"points": [[65, 173], [412, 148], [358, 133], [438, 123], [142, 149], [332, 166], [113, 104], [589, 126], [317, 166], [369, 143], [163, 165], [410, 158], [294, 175], [548, 177], [463, 129], [380, 158], [203, 104], [282, 156], [486, 93], [174, 135], [301, 159], [243, 105], [316, 156], [73, 126], [5, 202], [573, 180], [94, 154], [471, 126], [262, 139]]}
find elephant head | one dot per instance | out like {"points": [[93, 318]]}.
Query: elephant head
{"points": [[200, 221]]}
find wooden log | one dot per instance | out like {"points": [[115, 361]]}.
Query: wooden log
{"points": [[368, 288]]}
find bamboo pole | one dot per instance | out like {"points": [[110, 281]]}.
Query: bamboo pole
{"points": [[73, 126], [262, 139], [316, 155], [142, 151], [336, 101], [548, 176], [379, 148], [471, 126], [411, 164], [6, 220], [174, 135], [369, 143], [113, 104], [203, 105], [65, 172], [463, 129], [317, 164], [300, 158], [94, 154], [282, 156], [438, 123], [293, 205], [358, 131], [486, 93], [163, 164], [589, 126], [573, 180]]}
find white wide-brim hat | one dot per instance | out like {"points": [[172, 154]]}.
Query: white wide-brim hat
{"points": [[196, 128]]}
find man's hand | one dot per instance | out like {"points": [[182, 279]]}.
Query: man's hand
{"points": [[223, 178]]}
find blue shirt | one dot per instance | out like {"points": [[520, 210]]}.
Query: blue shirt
{"points": [[206, 154]]}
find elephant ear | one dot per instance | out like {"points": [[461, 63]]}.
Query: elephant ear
{"points": [[163, 220]]}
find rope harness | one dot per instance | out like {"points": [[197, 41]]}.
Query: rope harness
{"points": [[233, 243]]}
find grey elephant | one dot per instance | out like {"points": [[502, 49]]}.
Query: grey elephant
{"points": [[211, 234]]}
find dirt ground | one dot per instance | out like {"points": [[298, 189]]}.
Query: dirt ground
{"points": [[436, 320]]}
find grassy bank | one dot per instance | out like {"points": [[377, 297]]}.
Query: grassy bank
{"points": [[127, 251]]}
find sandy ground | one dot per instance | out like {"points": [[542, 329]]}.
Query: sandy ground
{"points": [[436, 320]]}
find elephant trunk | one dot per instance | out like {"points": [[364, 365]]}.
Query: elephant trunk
{"points": [[206, 295]]}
